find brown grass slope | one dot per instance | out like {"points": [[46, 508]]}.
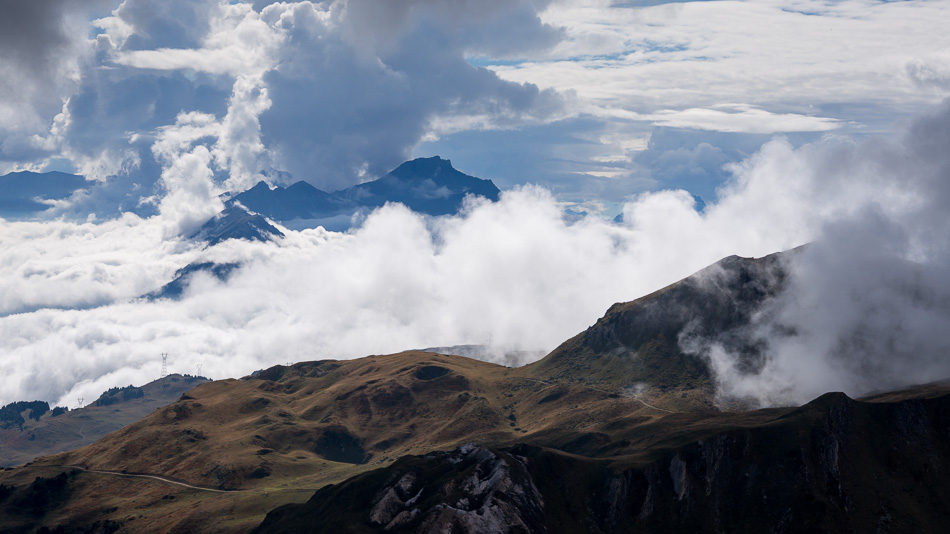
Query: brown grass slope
{"points": [[75, 428], [289, 430]]}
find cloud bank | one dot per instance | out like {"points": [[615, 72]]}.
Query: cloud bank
{"points": [[866, 300]]}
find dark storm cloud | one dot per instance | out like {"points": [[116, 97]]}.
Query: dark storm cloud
{"points": [[353, 95]]}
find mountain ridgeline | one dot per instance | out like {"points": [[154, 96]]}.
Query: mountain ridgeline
{"points": [[637, 346], [617, 430], [425, 185]]}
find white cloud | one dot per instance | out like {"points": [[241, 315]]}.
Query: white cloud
{"points": [[735, 118], [190, 194], [867, 301], [210, 100], [805, 58]]}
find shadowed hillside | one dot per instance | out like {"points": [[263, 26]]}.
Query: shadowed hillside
{"points": [[60, 430], [833, 465]]}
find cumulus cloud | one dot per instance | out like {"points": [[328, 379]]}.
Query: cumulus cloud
{"points": [[44, 48], [358, 85], [334, 92]]}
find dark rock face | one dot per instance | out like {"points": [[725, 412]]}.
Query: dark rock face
{"points": [[833, 465], [717, 300], [641, 341], [175, 288], [470, 490], [425, 185]]}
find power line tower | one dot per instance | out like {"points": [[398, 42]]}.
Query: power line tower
{"points": [[164, 369], [80, 402]]}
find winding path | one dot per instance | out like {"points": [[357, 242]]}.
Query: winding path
{"points": [[138, 475]]}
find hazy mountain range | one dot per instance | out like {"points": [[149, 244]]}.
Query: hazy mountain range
{"points": [[617, 430], [426, 185]]}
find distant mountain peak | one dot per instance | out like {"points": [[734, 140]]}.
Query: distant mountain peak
{"points": [[235, 222], [431, 167], [426, 185], [261, 186]]}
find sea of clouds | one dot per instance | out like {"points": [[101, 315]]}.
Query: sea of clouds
{"points": [[169, 104], [869, 299]]}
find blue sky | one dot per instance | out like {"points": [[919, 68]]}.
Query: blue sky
{"points": [[796, 122]]}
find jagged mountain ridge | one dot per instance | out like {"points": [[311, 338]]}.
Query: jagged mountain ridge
{"points": [[425, 185], [297, 201], [235, 222]]}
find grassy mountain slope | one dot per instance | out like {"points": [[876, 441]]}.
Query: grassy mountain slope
{"points": [[833, 465], [75, 428], [287, 431]]}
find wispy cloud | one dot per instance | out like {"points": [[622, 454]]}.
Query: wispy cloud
{"points": [[803, 58]]}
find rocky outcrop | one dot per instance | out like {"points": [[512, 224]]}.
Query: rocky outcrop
{"points": [[472, 489], [833, 465]]}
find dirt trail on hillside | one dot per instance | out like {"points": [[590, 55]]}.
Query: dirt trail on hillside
{"points": [[139, 475]]}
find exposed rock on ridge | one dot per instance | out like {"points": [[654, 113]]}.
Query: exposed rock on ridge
{"points": [[833, 465], [470, 490]]}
